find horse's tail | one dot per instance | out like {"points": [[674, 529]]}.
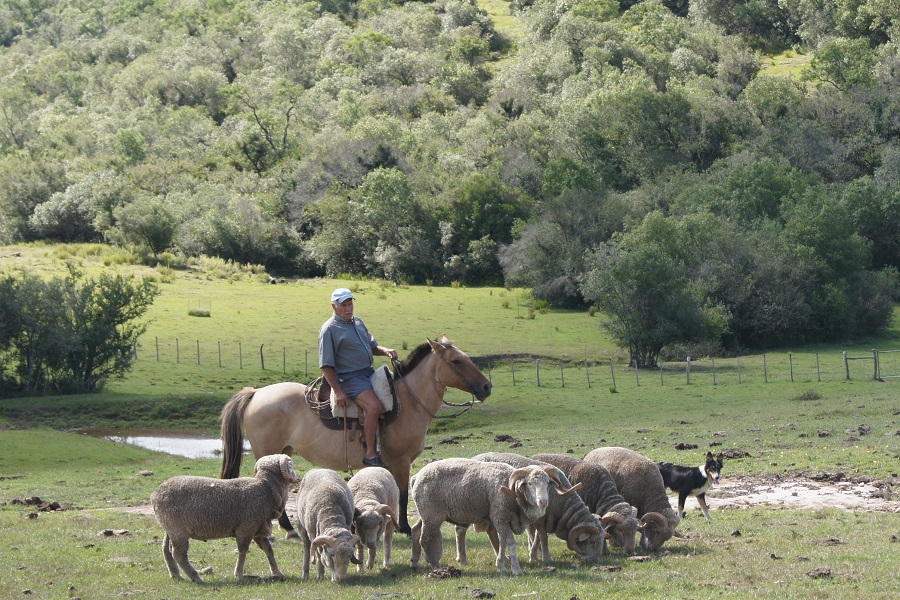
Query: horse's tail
{"points": [[232, 433]]}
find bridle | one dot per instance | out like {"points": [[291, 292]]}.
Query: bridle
{"points": [[465, 405]]}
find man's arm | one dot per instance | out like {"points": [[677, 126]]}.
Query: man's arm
{"points": [[340, 397], [382, 351]]}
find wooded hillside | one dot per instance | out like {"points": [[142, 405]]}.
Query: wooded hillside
{"points": [[632, 155]]}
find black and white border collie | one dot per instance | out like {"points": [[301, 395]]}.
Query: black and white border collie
{"points": [[692, 481]]}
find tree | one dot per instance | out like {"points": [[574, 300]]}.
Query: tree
{"points": [[149, 222], [71, 335], [642, 281], [844, 64]]}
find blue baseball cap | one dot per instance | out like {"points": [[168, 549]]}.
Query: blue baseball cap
{"points": [[340, 294]]}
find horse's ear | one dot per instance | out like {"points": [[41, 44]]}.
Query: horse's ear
{"points": [[435, 346]]}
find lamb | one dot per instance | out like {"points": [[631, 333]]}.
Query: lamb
{"points": [[377, 500], [325, 513], [470, 492], [638, 480], [203, 508], [567, 516], [602, 497]]}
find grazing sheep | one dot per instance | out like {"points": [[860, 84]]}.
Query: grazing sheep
{"points": [[203, 508], [602, 497], [567, 516], [325, 513], [470, 492], [638, 480], [377, 500]]}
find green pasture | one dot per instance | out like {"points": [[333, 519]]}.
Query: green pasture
{"points": [[819, 422]]}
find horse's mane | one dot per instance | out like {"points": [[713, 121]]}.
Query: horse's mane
{"points": [[415, 357]]}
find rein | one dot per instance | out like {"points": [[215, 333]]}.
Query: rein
{"points": [[468, 405]]}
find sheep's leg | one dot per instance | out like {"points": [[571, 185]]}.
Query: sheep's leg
{"points": [[507, 542], [266, 546], [171, 565], [432, 544], [388, 543], [320, 565], [243, 545], [541, 535], [492, 535], [370, 563], [416, 534], [461, 557], [180, 552], [701, 498], [307, 545]]}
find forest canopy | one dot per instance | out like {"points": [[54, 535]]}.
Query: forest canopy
{"points": [[639, 156]]}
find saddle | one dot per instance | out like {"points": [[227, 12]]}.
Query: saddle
{"points": [[319, 399]]}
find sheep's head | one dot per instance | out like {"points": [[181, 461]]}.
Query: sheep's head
{"points": [[336, 554], [369, 523], [655, 530], [588, 540], [530, 487], [621, 531], [277, 463]]}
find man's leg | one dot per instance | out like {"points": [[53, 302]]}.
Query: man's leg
{"points": [[373, 407]]}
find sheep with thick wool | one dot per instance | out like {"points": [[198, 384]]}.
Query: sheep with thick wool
{"points": [[567, 516], [377, 500], [471, 492], [325, 513], [640, 483], [204, 508], [599, 492]]}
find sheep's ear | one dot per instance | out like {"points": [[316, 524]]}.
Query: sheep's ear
{"points": [[356, 512], [507, 491]]}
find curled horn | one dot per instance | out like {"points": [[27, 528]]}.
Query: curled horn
{"points": [[287, 469], [653, 517], [514, 477], [578, 531], [324, 540], [557, 476], [385, 511], [611, 517], [355, 541]]}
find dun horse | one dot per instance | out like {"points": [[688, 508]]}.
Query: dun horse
{"points": [[278, 420]]}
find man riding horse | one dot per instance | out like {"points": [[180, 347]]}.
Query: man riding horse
{"points": [[346, 350]]}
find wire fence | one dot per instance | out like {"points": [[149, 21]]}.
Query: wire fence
{"points": [[551, 372]]}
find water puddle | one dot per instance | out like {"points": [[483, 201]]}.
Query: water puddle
{"points": [[179, 443]]}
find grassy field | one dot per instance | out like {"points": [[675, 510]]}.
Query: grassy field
{"points": [[785, 429]]}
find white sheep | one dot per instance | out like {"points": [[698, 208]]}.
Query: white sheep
{"points": [[640, 483], [377, 500], [470, 492], [203, 508], [567, 516], [325, 513], [602, 497]]}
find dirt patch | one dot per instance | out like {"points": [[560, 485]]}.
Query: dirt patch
{"points": [[803, 493], [861, 494]]}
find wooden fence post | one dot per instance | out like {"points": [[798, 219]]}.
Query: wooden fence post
{"points": [[687, 369], [765, 369], [846, 365], [539, 372], [562, 375], [587, 373], [791, 363], [262, 359], [198, 352], [613, 372], [177, 352]]}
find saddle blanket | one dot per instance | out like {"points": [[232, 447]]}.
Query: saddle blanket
{"points": [[381, 382]]}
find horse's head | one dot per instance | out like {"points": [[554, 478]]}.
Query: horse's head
{"points": [[459, 371]]}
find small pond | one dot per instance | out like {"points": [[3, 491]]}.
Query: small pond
{"points": [[189, 444]]}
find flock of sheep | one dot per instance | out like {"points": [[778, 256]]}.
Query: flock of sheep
{"points": [[611, 494]]}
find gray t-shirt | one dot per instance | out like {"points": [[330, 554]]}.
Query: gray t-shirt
{"points": [[345, 345]]}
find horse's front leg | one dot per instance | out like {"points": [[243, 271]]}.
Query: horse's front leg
{"points": [[400, 471]]}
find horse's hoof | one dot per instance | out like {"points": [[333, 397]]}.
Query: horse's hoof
{"points": [[292, 535]]}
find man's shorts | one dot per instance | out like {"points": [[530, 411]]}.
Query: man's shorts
{"points": [[357, 382]]}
